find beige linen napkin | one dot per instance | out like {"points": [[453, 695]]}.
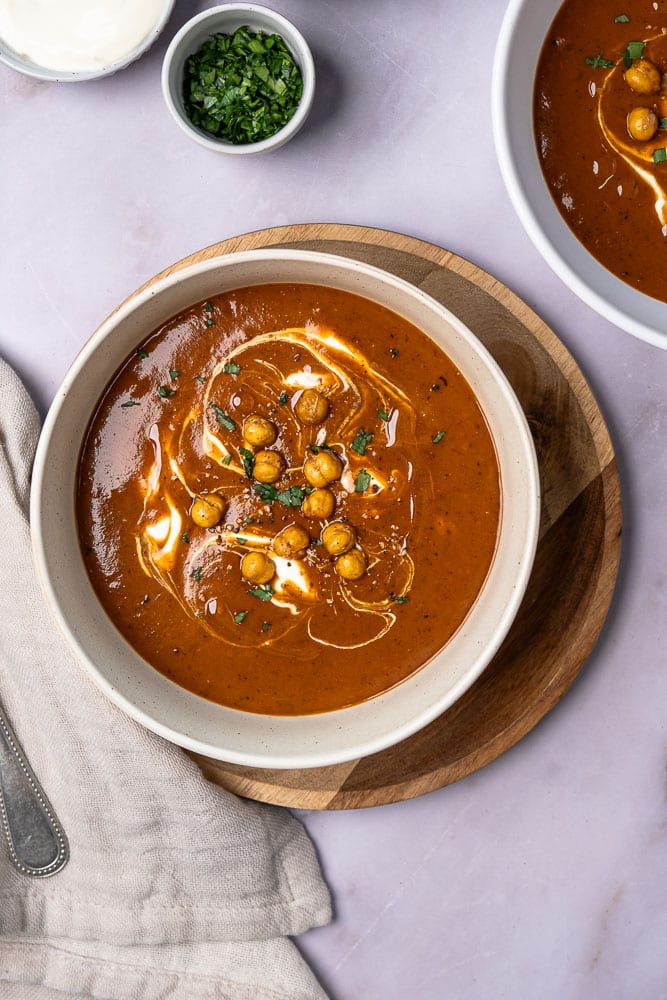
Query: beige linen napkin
{"points": [[175, 888]]}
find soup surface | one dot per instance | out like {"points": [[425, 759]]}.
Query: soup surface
{"points": [[288, 499], [601, 128]]}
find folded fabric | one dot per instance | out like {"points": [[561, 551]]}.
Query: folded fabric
{"points": [[174, 888]]}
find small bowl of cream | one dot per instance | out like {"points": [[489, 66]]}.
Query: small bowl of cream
{"points": [[72, 40]]}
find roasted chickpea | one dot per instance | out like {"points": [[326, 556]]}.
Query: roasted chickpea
{"points": [[256, 567], [207, 510], [322, 468], [642, 124], [292, 542], [269, 466], [643, 77], [319, 504], [258, 431], [351, 565], [311, 407], [338, 538]]}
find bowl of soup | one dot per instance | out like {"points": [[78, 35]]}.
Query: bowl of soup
{"points": [[284, 508], [580, 127]]}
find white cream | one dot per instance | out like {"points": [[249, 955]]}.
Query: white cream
{"points": [[78, 35]]}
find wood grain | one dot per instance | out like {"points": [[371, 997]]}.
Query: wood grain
{"points": [[577, 558]]}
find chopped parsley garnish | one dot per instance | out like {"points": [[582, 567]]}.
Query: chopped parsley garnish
{"points": [[196, 573], [266, 626], [293, 496], [248, 461], [227, 460], [283, 398], [173, 374], [231, 368], [141, 353], [598, 61], [362, 482], [383, 415], [662, 122], [394, 352], [242, 87], [634, 50], [361, 441], [317, 448], [208, 306], [660, 155], [209, 321], [200, 378], [225, 420], [263, 593], [400, 599], [240, 617], [165, 393], [249, 520], [185, 538], [129, 402], [621, 19], [438, 437]]}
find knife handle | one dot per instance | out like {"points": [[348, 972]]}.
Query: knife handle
{"points": [[37, 842]]}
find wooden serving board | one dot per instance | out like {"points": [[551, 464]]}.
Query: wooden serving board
{"points": [[577, 557]]}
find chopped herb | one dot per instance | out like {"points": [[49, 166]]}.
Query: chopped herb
{"points": [[249, 520], [633, 51], [438, 437], [598, 62], [227, 460], [394, 352], [263, 593], [242, 541], [173, 374], [200, 378], [317, 448], [282, 399], [209, 321], [208, 306], [141, 353], [383, 415], [362, 482], [242, 87], [662, 122], [361, 441], [435, 387], [196, 573], [129, 402], [165, 393], [293, 496], [240, 617], [400, 599], [248, 461], [660, 155], [621, 19], [316, 541], [266, 626], [185, 538], [225, 420], [231, 368]]}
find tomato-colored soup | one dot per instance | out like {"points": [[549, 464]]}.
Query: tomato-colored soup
{"points": [[601, 128], [288, 499]]}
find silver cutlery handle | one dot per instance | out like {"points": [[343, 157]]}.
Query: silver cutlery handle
{"points": [[37, 842]]}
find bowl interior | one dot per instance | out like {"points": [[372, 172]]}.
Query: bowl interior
{"points": [[518, 49], [184, 718], [226, 19]]}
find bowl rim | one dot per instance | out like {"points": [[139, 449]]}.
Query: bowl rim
{"points": [[295, 42], [312, 756], [514, 165], [15, 61]]}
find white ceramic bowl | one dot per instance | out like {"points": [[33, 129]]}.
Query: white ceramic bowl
{"points": [[226, 19], [518, 49], [23, 64], [173, 712]]}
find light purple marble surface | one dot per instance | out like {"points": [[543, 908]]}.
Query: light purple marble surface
{"points": [[543, 876]]}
